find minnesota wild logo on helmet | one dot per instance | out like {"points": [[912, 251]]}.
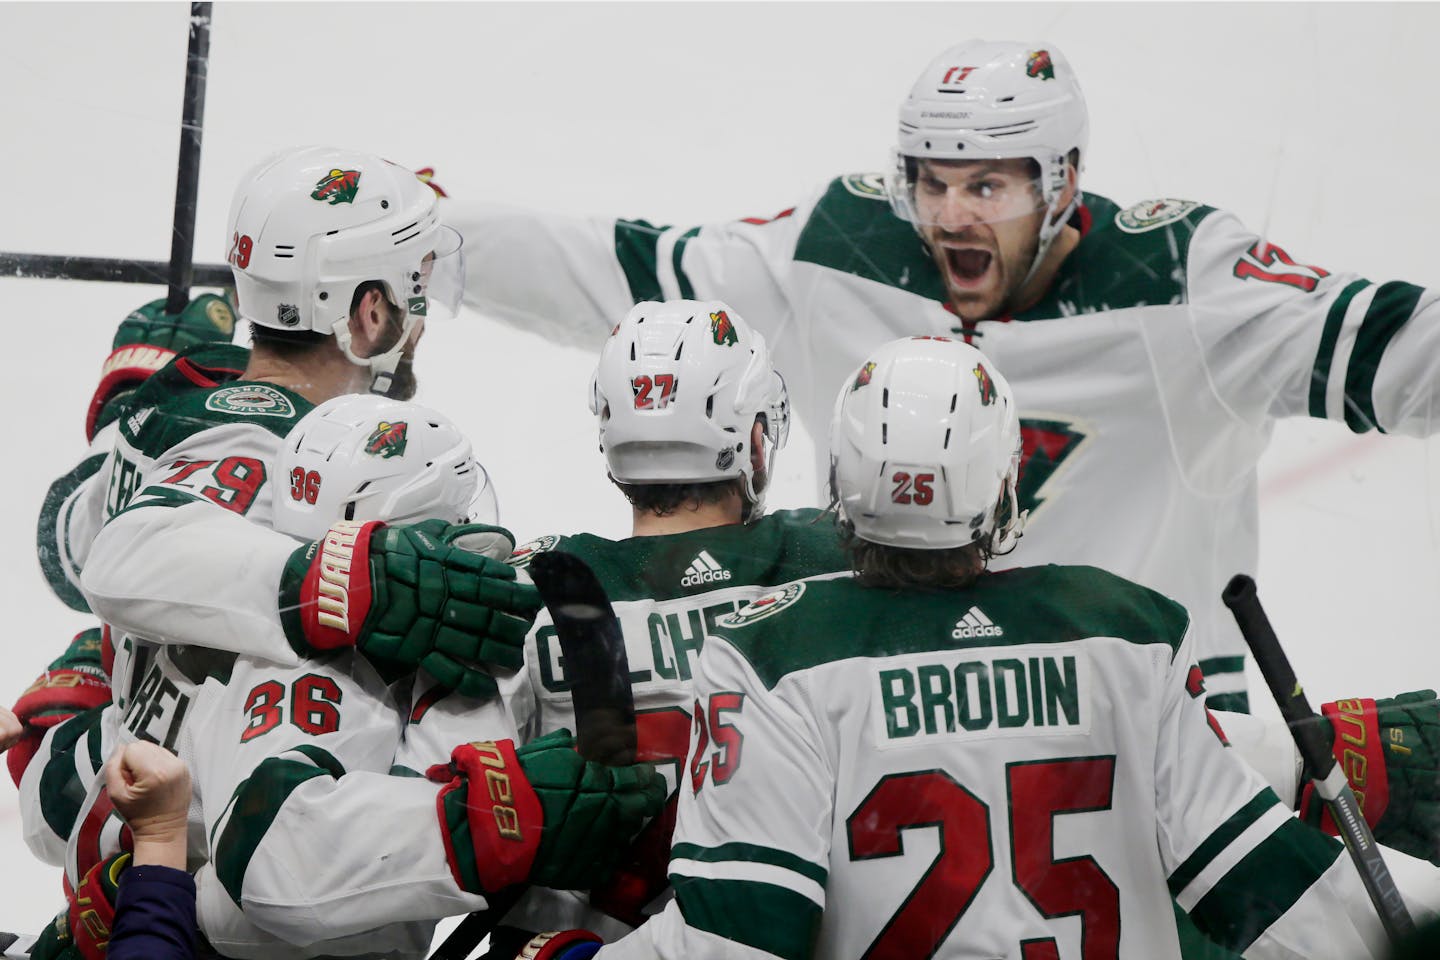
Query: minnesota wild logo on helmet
{"points": [[340, 186], [723, 330], [1039, 65], [387, 440], [863, 377], [987, 385]]}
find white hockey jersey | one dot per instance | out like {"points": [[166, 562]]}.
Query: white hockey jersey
{"points": [[1022, 769], [1148, 378], [263, 729]]}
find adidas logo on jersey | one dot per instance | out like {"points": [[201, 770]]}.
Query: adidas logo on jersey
{"points": [[974, 625], [703, 569]]}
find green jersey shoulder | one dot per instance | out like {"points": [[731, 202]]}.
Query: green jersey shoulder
{"points": [[201, 389], [779, 547], [799, 626]]}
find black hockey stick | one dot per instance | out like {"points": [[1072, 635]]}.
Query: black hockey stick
{"points": [[599, 675], [1314, 746], [181, 271], [54, 266], [187, 177]]}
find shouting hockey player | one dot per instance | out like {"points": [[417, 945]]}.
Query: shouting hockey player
{"points": [[1153, 346], [690, 414], [930, 759]]}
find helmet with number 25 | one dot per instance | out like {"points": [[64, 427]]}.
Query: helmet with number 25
{"points": [[925, 448], [366, 457], [678, 389], [308, 225]]}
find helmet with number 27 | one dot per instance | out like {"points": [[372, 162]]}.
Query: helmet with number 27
{"points": [[678, 390], [308, 225], [365, 457], [925, 448]]}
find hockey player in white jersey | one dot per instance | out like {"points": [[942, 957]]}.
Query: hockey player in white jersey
{"points": [[339, 260], [289, 759], [930, 759], [690, 415], [275, 748], [1152, 345]]}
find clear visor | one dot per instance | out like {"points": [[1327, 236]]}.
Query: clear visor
{"points": [[439, 285], [956, 194], [484, 505]]}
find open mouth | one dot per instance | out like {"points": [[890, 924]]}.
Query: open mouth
{"points": [[968, 265]]}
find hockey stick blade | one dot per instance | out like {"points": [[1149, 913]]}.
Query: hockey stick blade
{"points": [[15, 946], [1314, 747], [599, 675], [595, 663]]}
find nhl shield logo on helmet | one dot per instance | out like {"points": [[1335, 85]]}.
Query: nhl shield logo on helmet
{"points": [[387, 440], [340, 186]]}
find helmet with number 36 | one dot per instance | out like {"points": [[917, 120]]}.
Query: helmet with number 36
{"points": [[925, 448], [366, 457], [677, 390]]}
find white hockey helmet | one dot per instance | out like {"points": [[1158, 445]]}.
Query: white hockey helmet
{"points": [[677, 389], [925, 445], [308, 225], [366, 457], [983, 100]]}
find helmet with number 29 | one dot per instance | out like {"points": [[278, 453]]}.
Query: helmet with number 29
{"points": [[925, 448], [308, 225]]}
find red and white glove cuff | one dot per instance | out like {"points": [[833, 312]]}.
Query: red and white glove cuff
{"points": [[1361, 756], [57, 695], [126, 366], [502, 814], [335, 596]]}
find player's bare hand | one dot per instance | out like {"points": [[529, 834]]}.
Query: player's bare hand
{"points": [[10, 729], [150, 787]]}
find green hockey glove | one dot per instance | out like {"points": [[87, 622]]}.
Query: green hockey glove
{"points": [[148, 339], [409, 596], [541, 814], [1390, 752]]}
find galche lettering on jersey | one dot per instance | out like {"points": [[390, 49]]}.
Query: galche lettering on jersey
{"points": [[334, 586], [1009, 691]]}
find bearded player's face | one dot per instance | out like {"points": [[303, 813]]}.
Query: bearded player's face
{"points": [[982, 221]]}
